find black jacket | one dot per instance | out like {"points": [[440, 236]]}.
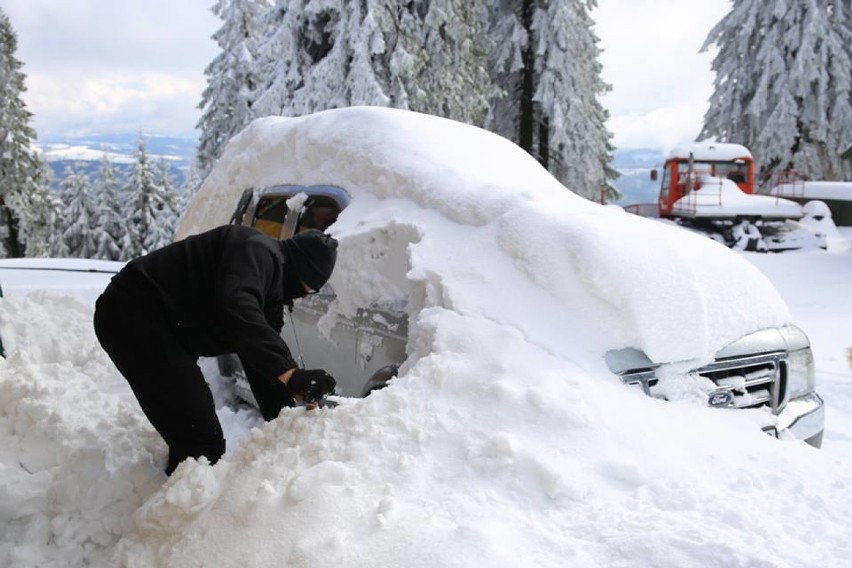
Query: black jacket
{"points": [[224, 292]]}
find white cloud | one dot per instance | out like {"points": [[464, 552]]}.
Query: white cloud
{"points": [[96, 66], [154, 103], [660, 82]]}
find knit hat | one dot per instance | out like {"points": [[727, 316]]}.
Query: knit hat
{"points": [[311, 254]]}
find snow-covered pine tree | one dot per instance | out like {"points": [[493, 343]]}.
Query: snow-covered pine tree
{"points": [[232, 77], [547, 67], [41, 218], [420, 55], [80, 214], [19, 165], [191, 184], [167, 204], [783, 84], [435, 57], [306, 53], [112, 235], [149, 211]]}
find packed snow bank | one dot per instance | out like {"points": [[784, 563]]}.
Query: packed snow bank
{"points": [[462, 464], [76, 452], [77, 456]]}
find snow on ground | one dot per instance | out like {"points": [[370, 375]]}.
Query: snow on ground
{"points": [[84, 277], [498, 446], [815, 285]]}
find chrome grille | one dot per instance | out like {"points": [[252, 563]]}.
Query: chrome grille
{"points": [[758, 380], [752, 381]]}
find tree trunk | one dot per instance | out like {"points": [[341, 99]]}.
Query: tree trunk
{"points": [[526, 119], [12, 244], [544, 142]]}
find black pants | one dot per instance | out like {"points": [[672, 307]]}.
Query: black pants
{"points": [[134, 330]]}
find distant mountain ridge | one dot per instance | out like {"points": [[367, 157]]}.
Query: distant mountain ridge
{"points": [[84, 153]]}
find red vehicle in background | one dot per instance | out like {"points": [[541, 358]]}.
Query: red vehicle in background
{"points": [[710, 187]]}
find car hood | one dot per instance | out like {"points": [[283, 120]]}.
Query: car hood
{"points": [[447, 218]]}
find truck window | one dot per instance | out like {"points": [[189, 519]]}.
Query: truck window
{"points": [[664, 187]]}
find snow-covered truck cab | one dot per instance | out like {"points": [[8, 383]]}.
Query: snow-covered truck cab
{"points": [[686, 165]]}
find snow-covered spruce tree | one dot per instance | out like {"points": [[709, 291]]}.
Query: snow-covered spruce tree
{"points": [[232, 77], [191, 184], [80, 214], [420, 55], [41, 218], [149, 209], [547, 67], [19, 165], [435, 57], [317, 55], [112, 236], [169, 214], [783, 84]]}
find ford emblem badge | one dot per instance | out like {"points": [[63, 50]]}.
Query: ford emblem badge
{"points": [[721, 398]]}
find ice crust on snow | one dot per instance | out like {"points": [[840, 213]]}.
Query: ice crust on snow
{"points": [[504, 442]]}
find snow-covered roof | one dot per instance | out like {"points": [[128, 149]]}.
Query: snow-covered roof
{"points": [[837, 190], [710, 152]]}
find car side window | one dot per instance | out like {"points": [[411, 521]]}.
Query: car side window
{"points": [[242, 205], [319, 213], [270, 216]]}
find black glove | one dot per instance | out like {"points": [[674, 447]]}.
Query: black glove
{"points": [[311, 384]]}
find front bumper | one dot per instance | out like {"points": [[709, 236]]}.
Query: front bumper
{"points": [[803, 418]]}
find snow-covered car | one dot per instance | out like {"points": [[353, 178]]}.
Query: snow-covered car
{"points": [[438, 220], [81, 277]]}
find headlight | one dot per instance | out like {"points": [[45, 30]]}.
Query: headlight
{"points": [[802, 373]]}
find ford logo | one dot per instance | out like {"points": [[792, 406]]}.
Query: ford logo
{"points": [[721, 398]]}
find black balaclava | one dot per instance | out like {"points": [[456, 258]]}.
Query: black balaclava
{"points": [[310, 259]]}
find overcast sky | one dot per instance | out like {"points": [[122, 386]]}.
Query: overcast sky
{"points": [[98, 66]]}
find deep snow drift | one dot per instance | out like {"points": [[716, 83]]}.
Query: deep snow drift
{"points": [[504, 443]]}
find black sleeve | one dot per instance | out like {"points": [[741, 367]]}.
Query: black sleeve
{"points": [[246, 272]]}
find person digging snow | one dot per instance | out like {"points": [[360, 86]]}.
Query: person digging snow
{"points": [[222, 291]]}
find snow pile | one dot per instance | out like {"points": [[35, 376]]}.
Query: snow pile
{"points": [[76, 452], [511, 464], [504, 442]]}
